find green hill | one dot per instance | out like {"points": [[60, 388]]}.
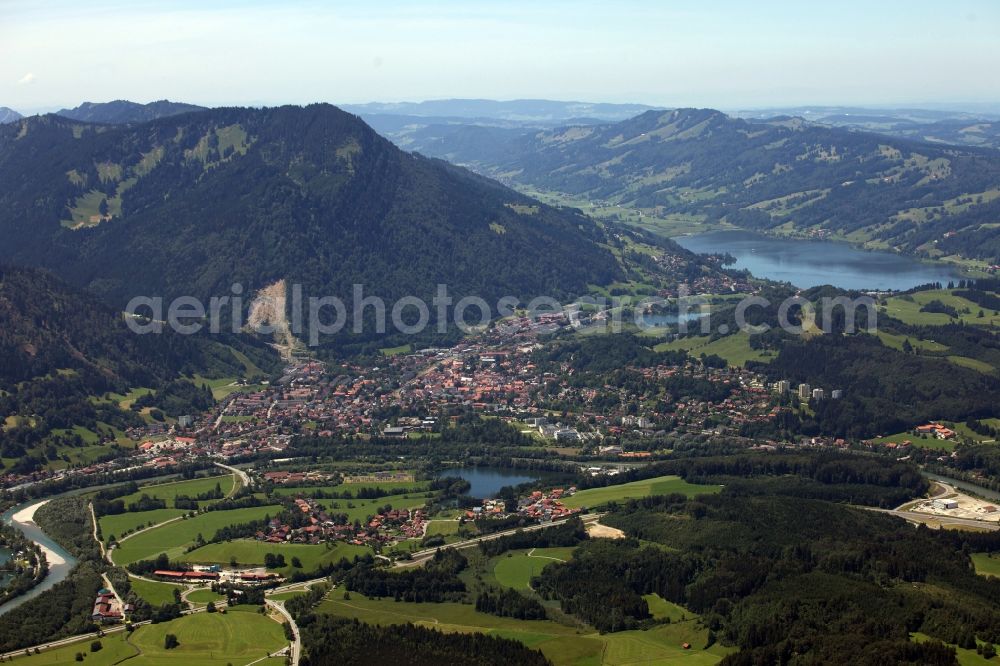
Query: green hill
{"points": [[122, 111], [64, 355], [783, 175], [190, 204]]}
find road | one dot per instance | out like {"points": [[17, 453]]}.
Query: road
{"points": [[418, 558], [933, 518], [297, 641], [44, 647], [468, 543], [240, 474]]}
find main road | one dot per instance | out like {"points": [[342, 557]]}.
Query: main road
{"points": [[417, 558]]}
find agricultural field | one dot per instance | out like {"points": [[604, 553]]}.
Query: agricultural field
{"points": [[734, 348], [133, 520], [563, 645], [907, 309], [248, 551], [191, 488], [239, 636], [154, 592], [204, 596], [516, 568], [223, 387], [661, 485], [921, 441], [661, 609], [897, 341], [174, 538], [986, 564], [443, 527]]}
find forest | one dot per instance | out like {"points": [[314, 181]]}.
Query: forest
{"points": [[784, 579], [333, 641]]}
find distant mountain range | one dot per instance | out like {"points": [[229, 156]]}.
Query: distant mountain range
{"points": [[8, 115], [977, 128], [531, 111], [782, 174], [189, 204], [121, 111]]}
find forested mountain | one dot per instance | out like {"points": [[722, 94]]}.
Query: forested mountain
{"points": [[8, 115], [976, 133], [189, 205], [123, 111], [783, 172], [60, 348], [978, 126]]}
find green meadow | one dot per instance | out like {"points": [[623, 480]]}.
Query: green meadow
{"points": [[516, 568], [248, 551], [174, 538], [563, 645], [661, 485], [239, 636]]}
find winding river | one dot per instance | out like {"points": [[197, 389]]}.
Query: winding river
{"points": [[60, 561]]}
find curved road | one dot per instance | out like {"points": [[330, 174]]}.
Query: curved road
{"points": [[418, 558], [297, 641]]}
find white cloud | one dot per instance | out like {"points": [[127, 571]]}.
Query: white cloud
{"points": [[26, 79]]}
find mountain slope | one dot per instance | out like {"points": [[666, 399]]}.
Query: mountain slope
{"points": [[8, 115], [61, 350], [191, 204], [122, 111], [784, 172]]}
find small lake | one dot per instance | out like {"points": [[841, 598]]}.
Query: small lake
{"points": [[487, 481], [810, 263]]}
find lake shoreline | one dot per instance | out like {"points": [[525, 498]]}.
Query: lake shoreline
{"points": [[807, 263]]}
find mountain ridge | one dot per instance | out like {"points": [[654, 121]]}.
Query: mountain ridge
{"points": [[892, 193], [309, 194], [121, 111]]}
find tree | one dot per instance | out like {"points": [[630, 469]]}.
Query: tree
{"points": [[170, 642], [296, 562], [96, 646], [210, 608]]}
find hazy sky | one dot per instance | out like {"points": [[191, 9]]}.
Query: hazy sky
{"points": [[56, 53]]}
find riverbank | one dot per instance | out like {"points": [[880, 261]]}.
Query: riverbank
{"points": [[60, 562], [27, 515]]}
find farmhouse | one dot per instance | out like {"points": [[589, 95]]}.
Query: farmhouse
{"points": [[936, 430], [106, 608]]}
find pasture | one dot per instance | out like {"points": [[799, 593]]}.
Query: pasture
{"points": [[516, 568], [563, 645], [239, 636], [248, 551], [156, 594], [192, 488], [174, 538], [133, 520], [661, 485]]}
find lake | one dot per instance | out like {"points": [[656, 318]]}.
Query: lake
{"points": [[810, 263], [487, 481]]}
